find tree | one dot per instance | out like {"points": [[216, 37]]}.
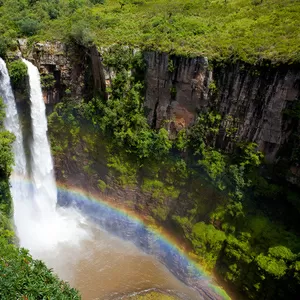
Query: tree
{"points": [[6, 140], [22, 277], [17, 72], [29, 26], [214, 164], [207, 241]]}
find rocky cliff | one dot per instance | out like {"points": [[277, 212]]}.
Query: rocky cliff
{"points": [[66, 70], [251, 100], [257, 104]]}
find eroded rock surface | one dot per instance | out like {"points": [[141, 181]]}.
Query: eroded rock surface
{"points": [[251, 100], [76, 72]]}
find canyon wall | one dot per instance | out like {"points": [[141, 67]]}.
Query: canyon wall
{"points": [[257, 104], [252, 100]]}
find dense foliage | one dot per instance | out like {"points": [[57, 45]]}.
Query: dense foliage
{"points": [[21, 277], [250, 30], [17, 73], [220, 202], [6, 162]]}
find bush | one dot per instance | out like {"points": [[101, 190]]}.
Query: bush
{"points": [[7, 41], [207, 242], [29, 26], [101, 185], [25, 278], [6, 140], [81, 33], [3, 46], [17, 72], [47, 81]]}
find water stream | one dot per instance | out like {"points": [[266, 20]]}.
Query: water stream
{"points": [[72, 241], [12, 123]]}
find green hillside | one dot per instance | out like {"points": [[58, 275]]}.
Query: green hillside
{"points": [[251, 30]]}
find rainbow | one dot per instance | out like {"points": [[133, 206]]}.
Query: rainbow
{"points": [[129, 225]]}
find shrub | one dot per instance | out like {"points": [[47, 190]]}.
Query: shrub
{"points": [[29, 26], [81, 33], [102, 185], [17, 72], [207, 241], [25, 278], [47, 80]]}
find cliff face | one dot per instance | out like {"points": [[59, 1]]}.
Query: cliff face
{"points": [[176, 88], [62, 63], [251, 100], [74, 71]]}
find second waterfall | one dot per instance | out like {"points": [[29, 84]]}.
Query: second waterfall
{"points": [[41, 226]]}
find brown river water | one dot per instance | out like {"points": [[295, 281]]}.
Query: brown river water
{"points": [[107, 267]]}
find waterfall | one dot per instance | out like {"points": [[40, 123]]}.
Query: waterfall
{"points": [[19, 189], [46, 227], [11, 121], [42, 227], [45, 193]]}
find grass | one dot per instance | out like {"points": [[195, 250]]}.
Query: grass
{"points": [[217, 30], [239, 29]]}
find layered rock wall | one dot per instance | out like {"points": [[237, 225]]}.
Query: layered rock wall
{"points": [[77, 71], [251, 100]]}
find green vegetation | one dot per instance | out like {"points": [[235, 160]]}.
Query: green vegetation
{"points": [[239, 223], [251, 31], [17, 72], [47, 81], [25, 278], [223, 204], [207, 242], [121, 117], [101, 185], [6, 162], [21, 277]]}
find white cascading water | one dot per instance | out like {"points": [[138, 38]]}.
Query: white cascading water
{"points": [[45, 192], [11, 121], [41, 227], [19, 189]]}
